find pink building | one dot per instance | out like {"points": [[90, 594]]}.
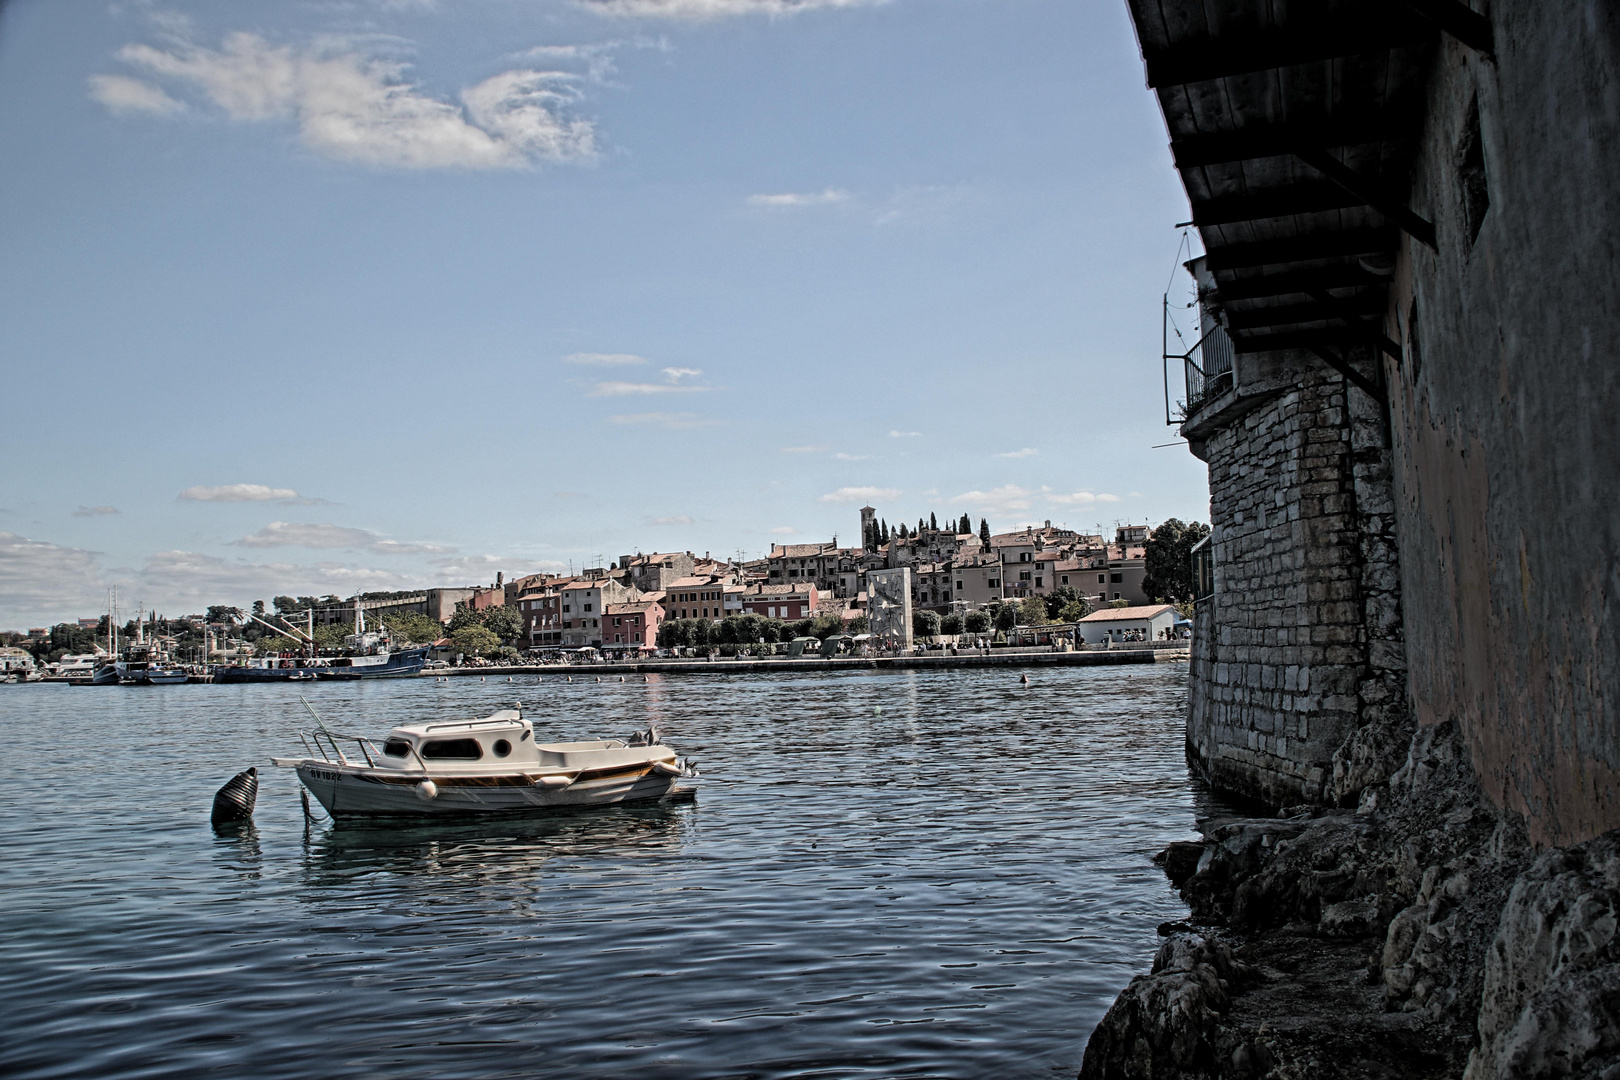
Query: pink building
{"points": [[631, 626], [781, 601]]}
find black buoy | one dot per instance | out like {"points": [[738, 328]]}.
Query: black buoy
{"points": [[234, 802]]}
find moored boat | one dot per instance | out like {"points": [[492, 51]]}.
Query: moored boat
{"points": [[480, 767]]}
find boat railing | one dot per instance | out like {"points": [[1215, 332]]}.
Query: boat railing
{"points": [[312, 742]]}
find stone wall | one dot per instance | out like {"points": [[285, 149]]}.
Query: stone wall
{"points": [[1504, 413], [1300, 645]]}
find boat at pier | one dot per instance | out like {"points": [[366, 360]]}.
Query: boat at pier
{"points": [[366, 654], [480, 767]]}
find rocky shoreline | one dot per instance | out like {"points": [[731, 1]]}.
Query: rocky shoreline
{"points": [[1416, 935]]}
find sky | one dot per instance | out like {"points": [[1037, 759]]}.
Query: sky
{"points": [[321, 297]]}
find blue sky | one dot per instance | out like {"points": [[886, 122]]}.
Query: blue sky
{"points": [[325, 296]]}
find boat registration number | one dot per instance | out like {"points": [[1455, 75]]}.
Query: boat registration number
{"points": [[322, 774]]}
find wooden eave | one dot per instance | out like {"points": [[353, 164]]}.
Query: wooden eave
{"points": [[1253, 92]]}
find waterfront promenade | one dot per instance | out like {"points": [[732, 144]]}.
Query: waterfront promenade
{"points": [[752, 665]]}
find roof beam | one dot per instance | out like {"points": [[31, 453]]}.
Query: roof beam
{"points": [[1272, 203], [1295, 281], [1460, 21], [1419, 228], [1343, 367], [1319, 311], [1325, 245], [1322, 342], [1279, 140], [1305, 42], [1346, 312]]}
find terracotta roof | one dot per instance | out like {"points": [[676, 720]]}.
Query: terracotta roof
{"points": [[623, 609], [1133, 614], [800, 551]]}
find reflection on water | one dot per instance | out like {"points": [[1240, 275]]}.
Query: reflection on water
{"points": [[897, 874]]}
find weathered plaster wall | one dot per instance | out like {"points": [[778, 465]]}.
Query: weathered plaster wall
{"points": [[1302, 635], [1504, 416]]}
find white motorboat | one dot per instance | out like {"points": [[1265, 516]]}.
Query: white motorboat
{"points": [[487, 766]]}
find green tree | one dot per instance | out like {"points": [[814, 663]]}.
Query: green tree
{"points": [[410, 626], [1168, 561], [1074, 611], [475, 640], [464, 617], [925, 624], [964, 526], [331, 637], [827, 624], [1032, 612], [284, 604], [860, 624], [223, 613], [798, 628], [984, 532], [277, 643], [951, 624], [976, 621], [258, 608], [1006, 616], [1119, 603], [1059, 599], [933, 523], [504, 622]]}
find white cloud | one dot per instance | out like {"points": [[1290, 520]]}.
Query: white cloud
{"points": [[784, 530], [242, 493], [712, 9], [676, 374], [188, 581], [1007, 499], [95, 511], [479, 568], [1081, 498], [802, 449], [292, 534], [674, 519], [1027, 451], [905, 434], [791, 200], [122, 95], [673, 420], [624, 389], [852, 457], [599, 359], [356, 107], [860, 494], [43, 583]]}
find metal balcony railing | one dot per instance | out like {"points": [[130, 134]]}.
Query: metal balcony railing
{"points": [[1206, 371]]}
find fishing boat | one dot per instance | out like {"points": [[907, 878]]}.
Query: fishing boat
{"points": [[366, 654], [480, 767], [78, 667]]}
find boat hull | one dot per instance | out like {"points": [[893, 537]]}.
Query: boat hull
{"points": [[354, 792], [397, 665]]}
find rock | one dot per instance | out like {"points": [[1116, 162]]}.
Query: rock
{"points": [[1180, 860], [1350, 918], [1551, 1001]]}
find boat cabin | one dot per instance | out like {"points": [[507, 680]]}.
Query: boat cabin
{"points": [[499, 741]]}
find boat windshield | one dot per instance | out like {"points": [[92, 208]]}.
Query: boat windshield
{"points": [[396, 748]]}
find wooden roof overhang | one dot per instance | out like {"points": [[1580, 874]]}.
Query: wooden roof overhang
{"points": [[1293, 125]]}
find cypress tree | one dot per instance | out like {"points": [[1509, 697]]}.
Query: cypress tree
{"points": [[984, 531], [933, 523], [965, 526]]}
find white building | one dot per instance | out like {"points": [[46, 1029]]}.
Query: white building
{"points": [[1151, 623]]}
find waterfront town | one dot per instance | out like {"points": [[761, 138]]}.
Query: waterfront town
{"points": [[1038, 583]]}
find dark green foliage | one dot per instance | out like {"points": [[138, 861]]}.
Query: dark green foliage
{"points": [[984, 532], [413, 628], [964, 526], [925, 623], [1060, 598], [504, 622], [1169, 577], [1006, 616], [951, 624], [976, 622], [284, 604]]}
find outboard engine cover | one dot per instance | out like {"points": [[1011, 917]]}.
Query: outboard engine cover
{"points": [[234, 801]]}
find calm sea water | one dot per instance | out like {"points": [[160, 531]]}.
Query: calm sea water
{"points": [[940, 874]]}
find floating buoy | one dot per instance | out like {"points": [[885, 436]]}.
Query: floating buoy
{"points": [[1025, 680], [570, 678], [877, 708], [509, 678], [234, 801], [621, 678], [427, 790], [482, 679], [599, 678]]}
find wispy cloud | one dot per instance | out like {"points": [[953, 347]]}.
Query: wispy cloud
{"points": [[95, 511], [353, 105], [698, 10], [860, 494], [802, 449], [671, 420], [676, 374], [308, 535], [905, 434], [673, 519], [245, 493], [626, 389], [476, 568], [1028, 451], [1007, 499], [1081, 498], [852, 457], [122, 95], [793, 200], [601, 359], [45, 582]]}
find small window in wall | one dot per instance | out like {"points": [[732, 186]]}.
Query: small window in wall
{"points": [[1116, 579], [452, 750], [1476, 197]]}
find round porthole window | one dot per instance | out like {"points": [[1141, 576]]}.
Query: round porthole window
{"points": [[502, 748]]}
